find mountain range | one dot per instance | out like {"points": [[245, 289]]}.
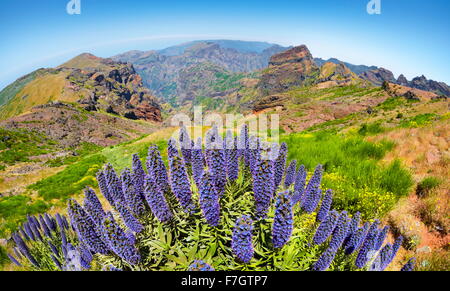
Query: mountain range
{"points": [[135, 84]]}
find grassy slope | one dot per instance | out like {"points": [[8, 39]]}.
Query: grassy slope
{"points": [[42, 90]]}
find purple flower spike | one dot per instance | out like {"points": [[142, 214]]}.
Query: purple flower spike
{"points": [[181, 186], [118, 241], [157, 169], [290, 174], [86, 228], [156, 200], [241, 242], [283, 221], [209, 200], [133, 196], [326, 206]]}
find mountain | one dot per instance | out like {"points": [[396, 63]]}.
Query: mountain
{"points": [[95, 83], [423, 83], [294, 67], [378, 76], [357, 69], [169, 72]]}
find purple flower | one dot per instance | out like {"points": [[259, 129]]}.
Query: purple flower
{"points": [[13, 260], [354, 225], [231, 157], [45, 227], [241, 242], [103, 185], [92, 206], [85, 256], [382, 260], [181, 186], [312, 195], [279, 165], [218, 170], [133, 196], [354, 241], [395, 248], [199, 265], [209, 200], [118, 241], [157, 169], [28, 231], [85, 228], [263, 187], [326, 228], [243, 144], [299, 186], [381, 237], [114, 185], [172, 150], [156, 200], [325, 260], [368, 248], [290, 174], [138, 176], [283, 221], [409, 267], [130, 220], [24, 249], [198, 166], [326, 206], [340, 232], [50, 222], [186, 145]]}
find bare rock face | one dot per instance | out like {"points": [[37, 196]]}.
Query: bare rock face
{"points": [[294, 67], [378, 76], [401, 80], [113, 87]]}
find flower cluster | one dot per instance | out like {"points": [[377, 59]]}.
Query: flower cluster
{"points": [[312, 193], [156, 200], [291, 172], [118, 241], [209, 200], [241, 242], [141, 201], [283, 221]]}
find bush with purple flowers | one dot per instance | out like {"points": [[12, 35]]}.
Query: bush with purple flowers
{"points": [[210, 208]]}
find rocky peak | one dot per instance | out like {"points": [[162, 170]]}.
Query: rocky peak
{"points": [[294, 67], [299, 54], [402, 80], [378, 76]]}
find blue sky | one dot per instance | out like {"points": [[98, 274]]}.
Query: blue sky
{"points": [[409, 37]]}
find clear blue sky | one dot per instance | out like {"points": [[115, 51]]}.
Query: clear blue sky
{"points": [[409, 37]]}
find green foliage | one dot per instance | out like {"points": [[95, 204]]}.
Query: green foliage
{"points": [[392, 103], [13, 210], [19, 145], [209, 103], [71, 180], [12, 90], [226, 81], [420, 120], [396, 179], [84, 149], [427, 185], [353, 171], [371, 129], [3, 257]]}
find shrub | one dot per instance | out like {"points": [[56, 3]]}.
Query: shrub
{"points": [[427, 185]]}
